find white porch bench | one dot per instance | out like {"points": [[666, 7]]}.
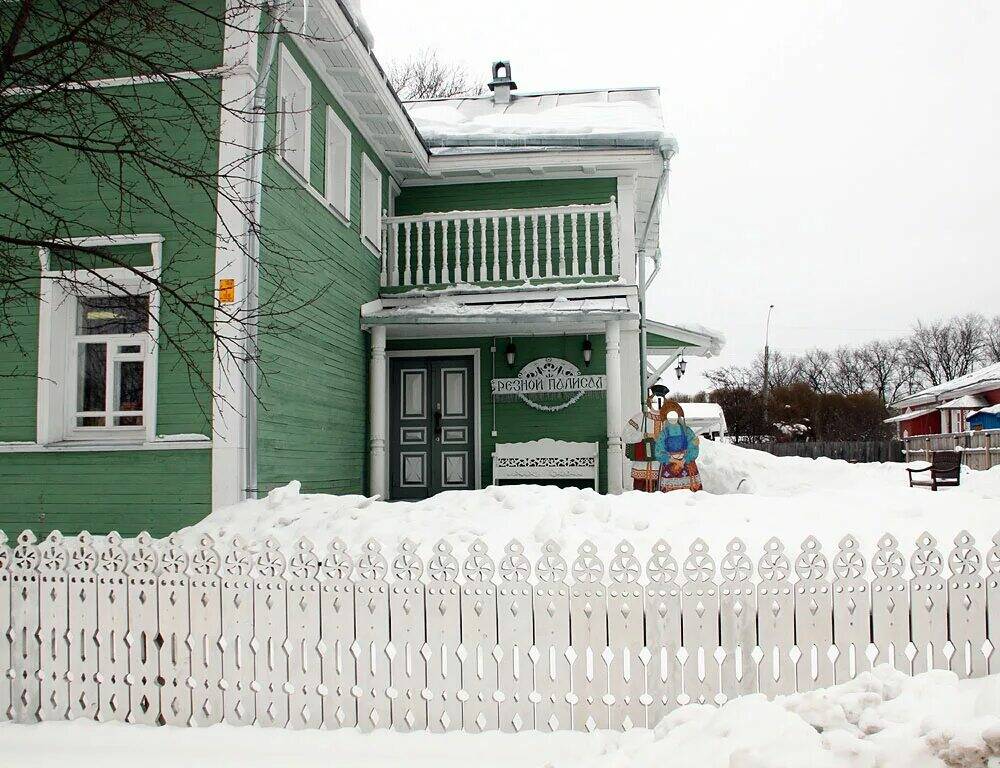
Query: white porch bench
{"points": [[546, 459]]}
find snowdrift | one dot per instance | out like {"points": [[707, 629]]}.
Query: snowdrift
{"points": [[883, 719], [748, 493]]}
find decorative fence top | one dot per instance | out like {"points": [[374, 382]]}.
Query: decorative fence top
{"points": [[144, 555]]}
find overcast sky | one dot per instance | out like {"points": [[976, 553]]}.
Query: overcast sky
{"points": [[838, 159]]}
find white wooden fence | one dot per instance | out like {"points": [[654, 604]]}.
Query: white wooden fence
{"points": [[979, 449], [150, 632], [569, 241]]}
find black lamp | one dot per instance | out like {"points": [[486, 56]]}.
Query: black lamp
{"points": [[681, 367], [511, 353], [588, 351]]}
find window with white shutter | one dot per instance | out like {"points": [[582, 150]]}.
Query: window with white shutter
{"points": [[294, 114], [371, 203], [338, 163]]}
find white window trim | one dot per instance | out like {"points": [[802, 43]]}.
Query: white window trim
{"points": [[336, 127], [55, 413], [286, 64], [368, 165]]}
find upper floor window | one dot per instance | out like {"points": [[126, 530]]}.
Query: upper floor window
{"points": [[338, 163], [371, 203], [294, 114]]}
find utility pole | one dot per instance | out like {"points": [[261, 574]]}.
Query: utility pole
{"points": [[767, 361]]}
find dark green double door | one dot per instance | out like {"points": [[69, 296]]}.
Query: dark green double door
{"points": [[431, 426]]}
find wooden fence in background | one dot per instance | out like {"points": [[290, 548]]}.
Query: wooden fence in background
{"points": [[855, 450], [153, 632], [979, 449]]}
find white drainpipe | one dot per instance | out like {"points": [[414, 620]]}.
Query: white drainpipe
{"points": [[259, 108], [644, 283]]}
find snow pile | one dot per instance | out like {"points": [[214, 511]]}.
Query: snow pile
{"points": [[750, 494], [883, 718]]}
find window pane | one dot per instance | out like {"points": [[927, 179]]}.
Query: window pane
{"points": [[92, 367], [112, 314], [128, 386]]}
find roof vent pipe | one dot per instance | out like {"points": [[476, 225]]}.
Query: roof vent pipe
{"points": [[502, 83]]}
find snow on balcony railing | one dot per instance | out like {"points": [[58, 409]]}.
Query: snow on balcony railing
{"points": [[572, 241]]}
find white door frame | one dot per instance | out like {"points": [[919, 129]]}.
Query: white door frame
{"points": [[472, 352]]}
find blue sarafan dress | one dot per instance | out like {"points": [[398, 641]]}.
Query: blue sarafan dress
{"points": [[676, 450]]}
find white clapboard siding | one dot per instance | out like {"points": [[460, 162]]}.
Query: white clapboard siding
{"points": [[194, 634]]}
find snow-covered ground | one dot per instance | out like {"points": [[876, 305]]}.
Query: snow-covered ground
{"points": [[749, 494], [881, 720]]}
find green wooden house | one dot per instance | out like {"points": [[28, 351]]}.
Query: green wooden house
{"points": [[487, 259]]}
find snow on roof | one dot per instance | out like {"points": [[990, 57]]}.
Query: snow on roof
{"points": [[992, 409], [451, 308], [965, 402], [909, 415], [977, 380], [599, 117], [353, 9]]}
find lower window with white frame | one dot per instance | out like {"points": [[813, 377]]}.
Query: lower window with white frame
{"points": [[97, 349], [109, 347]]}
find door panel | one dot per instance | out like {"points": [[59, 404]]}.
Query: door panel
{"points": [[431, 426]]}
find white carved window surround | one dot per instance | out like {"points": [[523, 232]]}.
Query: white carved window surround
{"points": [[371, 204], [294, 114], [338, 164], [97, 349]]}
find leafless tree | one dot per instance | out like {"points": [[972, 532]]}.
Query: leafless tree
{"points": [[945, 349], [425, 76], [78, 157], [991, 345]]}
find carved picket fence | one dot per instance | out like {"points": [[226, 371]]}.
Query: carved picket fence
{"points": [[150, 632]]}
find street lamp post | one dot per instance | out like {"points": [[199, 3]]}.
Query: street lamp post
{"points": [[767, 360]]}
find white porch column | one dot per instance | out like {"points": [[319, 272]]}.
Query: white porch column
{"points": [[377, 395], [612, 340]]}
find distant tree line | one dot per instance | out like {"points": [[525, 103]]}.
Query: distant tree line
{"points": [[845, 393]]}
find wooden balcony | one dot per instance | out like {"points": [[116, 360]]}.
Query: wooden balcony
{"points": [[567, 243]]}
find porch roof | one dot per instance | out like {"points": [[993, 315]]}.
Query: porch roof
{"points": [[461, 316]]}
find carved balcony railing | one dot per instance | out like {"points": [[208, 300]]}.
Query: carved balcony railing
{"points": [[496, 246]]}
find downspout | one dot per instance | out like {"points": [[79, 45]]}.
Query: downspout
{"points": [[259, 118], [644, 283]]}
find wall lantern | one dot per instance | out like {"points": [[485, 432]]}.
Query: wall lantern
{"points": [[511, 353], [681, 367], [588, 351]]}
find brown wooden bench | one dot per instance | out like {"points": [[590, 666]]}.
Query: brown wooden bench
{"points": [[945, 469]]}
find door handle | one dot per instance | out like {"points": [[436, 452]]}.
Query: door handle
{"points": [[437, 423]]}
